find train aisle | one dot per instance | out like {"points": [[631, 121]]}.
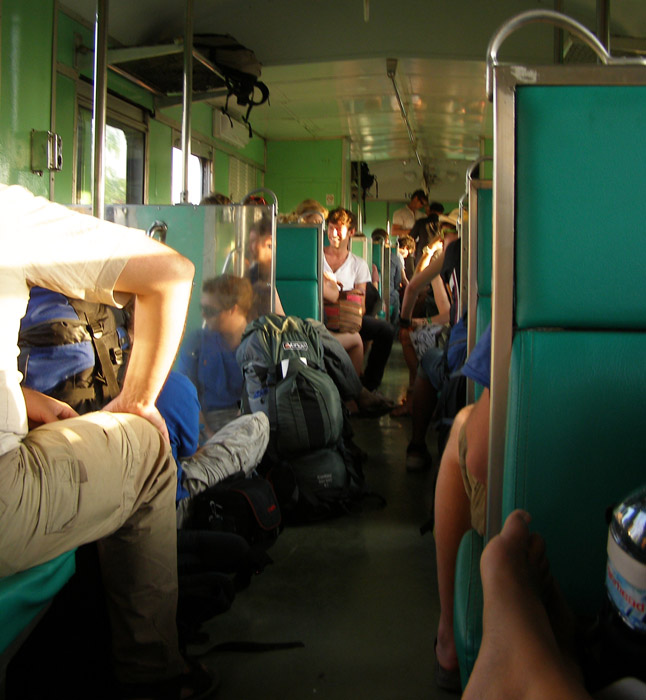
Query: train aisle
{"points": [[360, 592]]}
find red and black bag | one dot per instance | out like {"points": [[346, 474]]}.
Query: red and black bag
{"points": [[245, 506]]}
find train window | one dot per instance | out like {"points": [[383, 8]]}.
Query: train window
{"points": [[199, 172], [243, 178], [124, 159]]}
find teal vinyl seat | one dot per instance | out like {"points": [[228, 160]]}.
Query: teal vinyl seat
{"points": [[24, 596], [299, 269], [568, 330]]}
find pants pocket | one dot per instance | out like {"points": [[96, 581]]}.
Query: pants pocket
{"points": [[62, 491]]}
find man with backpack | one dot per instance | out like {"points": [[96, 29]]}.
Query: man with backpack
{"points": [[109, 475]]}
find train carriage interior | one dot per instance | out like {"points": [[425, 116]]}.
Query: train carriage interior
{"points": [[524, 120]]}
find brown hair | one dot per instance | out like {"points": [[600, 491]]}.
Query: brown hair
{"points": [[340, 216], [229, 291], [408, 243]]}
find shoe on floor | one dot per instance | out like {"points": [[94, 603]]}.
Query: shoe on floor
{"points": [[418, 458], [446, 679]]}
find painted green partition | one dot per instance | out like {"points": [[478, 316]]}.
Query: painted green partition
{"points": [[192, 231]]}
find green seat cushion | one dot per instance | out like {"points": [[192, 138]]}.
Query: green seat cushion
{"points": [[24, 594], [299, 298], [580, 206], [485, 241], [574, 445], [467, 609], [297, 254]]}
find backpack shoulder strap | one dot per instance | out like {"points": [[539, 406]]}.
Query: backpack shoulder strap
{"points": [[87, 312]]}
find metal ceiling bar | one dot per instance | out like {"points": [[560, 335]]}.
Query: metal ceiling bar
{"points": [[172, 100], [100, 104], [391, 68], [187, 100]]}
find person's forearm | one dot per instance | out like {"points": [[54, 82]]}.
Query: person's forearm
{"points": [[416, 284], [162, 287]]}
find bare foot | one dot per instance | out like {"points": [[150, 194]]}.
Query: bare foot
{"points": [[520, 656]]}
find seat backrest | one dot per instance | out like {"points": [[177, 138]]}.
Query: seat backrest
{"points": [[576, 370], [299, 269], [479, 264]]}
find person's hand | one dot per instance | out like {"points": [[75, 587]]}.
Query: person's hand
{"points": [[418, 323], [148, 411], [44, 409]]}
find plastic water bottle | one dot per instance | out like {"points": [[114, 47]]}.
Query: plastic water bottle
{"points": [[624, 617]]}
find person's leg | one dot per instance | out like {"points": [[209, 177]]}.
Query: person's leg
{"points": [[353, 345], [452, 521], [238, 447], [520, 656], [382, 335], [430, 375], [107, 477]]}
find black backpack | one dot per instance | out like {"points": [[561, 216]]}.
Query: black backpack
{"points": [[239, 67], [317, 485], [241, 505], [73, 350]]}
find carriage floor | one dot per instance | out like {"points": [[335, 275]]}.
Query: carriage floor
{"points": [[360, 591]]}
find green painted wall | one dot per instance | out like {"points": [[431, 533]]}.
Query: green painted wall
{"points": [[25, 104], [159, 163], [65, 97], [221, 173], [297, 170]]}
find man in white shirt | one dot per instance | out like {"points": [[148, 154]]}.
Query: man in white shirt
{"points": [[106, 476], [352, 272], [404, 219]]}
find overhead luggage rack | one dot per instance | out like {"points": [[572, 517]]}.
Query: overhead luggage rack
{"points": [[160, 70]]}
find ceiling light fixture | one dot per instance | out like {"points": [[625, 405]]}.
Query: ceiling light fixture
{"points": [[391, 69]]}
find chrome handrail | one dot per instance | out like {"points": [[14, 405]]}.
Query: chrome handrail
{"points": [[472, 167], [560, 20]]}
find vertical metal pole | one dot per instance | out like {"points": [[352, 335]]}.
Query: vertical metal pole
{"points": [[100, 102], [187, 97], [558, 36], [603, 22], [52, 111]]}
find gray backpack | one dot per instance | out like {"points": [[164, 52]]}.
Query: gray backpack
{"points": [[284, 376]]}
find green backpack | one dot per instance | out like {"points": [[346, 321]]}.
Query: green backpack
{"points": [[284, 376]]}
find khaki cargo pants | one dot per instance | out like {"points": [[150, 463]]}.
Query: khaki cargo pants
{"points": [[107, 477]]}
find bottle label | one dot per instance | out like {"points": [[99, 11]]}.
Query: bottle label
{"points": [[626, 586]]}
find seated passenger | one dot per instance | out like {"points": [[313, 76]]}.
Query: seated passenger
{"points": [[207, 356], [404, 219], [406, 251], [310, 211], [352, 273], [444, 272], [460, 501], [216, 198], [56, 494], [379, 235], [237, 446]]}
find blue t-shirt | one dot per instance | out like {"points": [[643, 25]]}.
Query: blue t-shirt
{"points": [[177, 402], [207, 360], [478, 365]]}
